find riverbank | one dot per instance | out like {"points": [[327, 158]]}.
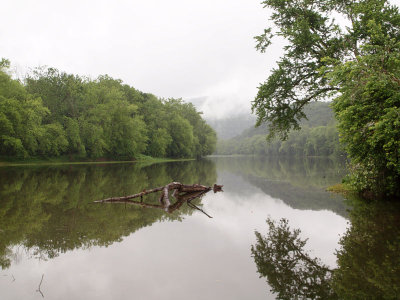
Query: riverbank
{"points": [[344, 189], [142, 159]]}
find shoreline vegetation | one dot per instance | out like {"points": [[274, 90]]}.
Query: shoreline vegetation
{"points": [[343, 189], [11, 162]]}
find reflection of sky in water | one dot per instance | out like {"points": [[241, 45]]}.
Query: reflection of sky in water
{"points": [[198, 258]]}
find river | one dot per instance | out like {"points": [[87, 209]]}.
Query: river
{"points": [[56, 243]]}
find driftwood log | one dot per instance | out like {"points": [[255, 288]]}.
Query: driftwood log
{"points": [[182, 192]]}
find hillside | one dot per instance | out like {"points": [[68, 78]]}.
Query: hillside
{"points": [[317, 137], [232, 126]]}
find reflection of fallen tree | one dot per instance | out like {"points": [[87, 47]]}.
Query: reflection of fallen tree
{"points": [[181, 192]]}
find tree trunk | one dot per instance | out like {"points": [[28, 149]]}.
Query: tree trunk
{"points": [[182, 192]]}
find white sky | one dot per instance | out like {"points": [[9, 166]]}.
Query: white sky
{"points": [[177, 48]]}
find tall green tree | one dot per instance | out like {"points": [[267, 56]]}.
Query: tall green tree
{"points": [[21, 115], [357, 61], [182, 135], [204, 137]]}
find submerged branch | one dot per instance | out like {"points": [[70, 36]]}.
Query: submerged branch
{"points": [[38, 290], [182, 192], [198, 208]]}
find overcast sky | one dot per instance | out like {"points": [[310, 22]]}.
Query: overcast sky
{"points": [[197, 50]]}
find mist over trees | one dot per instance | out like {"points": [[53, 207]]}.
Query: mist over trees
{"points": [[318, 137], [232, 125], [55, 114]]}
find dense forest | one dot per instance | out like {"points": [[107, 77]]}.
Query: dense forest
{"points": [[317, 137], [53, 114]]}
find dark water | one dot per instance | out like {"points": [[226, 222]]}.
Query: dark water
{"points": [[52, 236]]}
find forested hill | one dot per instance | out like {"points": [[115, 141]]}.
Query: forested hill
{"points": [[55, 114], [318, 137], [231, 126], [318, 114]]}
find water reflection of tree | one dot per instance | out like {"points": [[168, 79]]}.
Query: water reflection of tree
{"points": [[290, 271], [51, 211], [369, 257], [299, 182], [368, 260]]}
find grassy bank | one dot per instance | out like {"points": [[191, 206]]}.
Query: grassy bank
{"points": [[63, 160], [344, 189]]}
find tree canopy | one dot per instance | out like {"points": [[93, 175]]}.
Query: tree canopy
{"points": [[54, 113], [356, 61]]}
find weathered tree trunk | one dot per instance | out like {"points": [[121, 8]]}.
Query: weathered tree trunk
{"points": [[182, 192], [177, 186]]}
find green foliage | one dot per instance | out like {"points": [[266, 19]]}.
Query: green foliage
{"points": [[56, 113], [62, 93], [317, 141], [369, 112], [182, 132], [297, 80], [204, 137], [159, 143], [318, 137], [75, 144], [21, 130], [359, 64]]}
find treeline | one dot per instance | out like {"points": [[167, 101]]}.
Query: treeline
{"points": [[53, 113], [317, 141], [318, 137]]}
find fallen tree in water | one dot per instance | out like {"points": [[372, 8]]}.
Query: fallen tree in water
{"points": [[182, 192]]}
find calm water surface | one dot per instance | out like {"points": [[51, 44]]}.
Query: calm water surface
{"points": [[49, 226]]}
